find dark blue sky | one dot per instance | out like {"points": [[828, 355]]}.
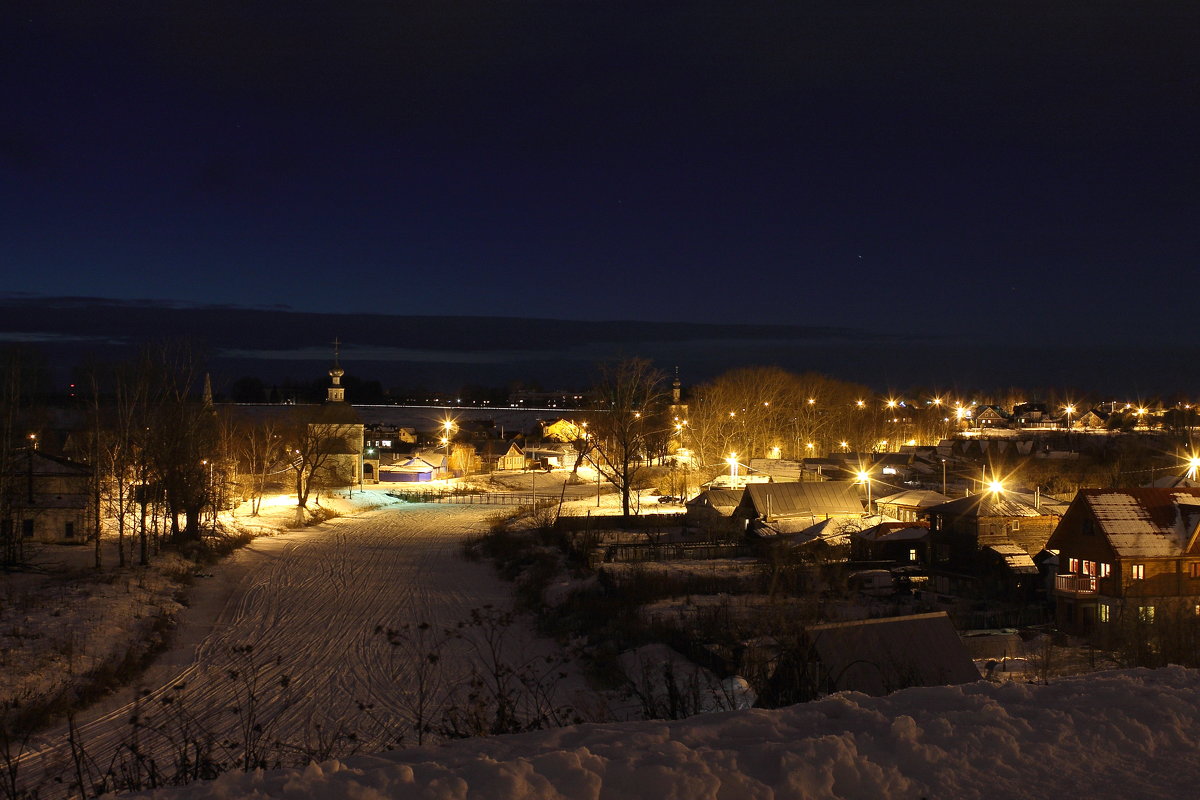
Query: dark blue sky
{"points": [[979, 169]]}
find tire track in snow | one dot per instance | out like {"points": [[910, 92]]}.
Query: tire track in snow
{"points": [[307, 607]]}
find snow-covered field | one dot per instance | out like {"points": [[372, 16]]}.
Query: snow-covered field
{"points": [[286, 641], [1119, 735]]}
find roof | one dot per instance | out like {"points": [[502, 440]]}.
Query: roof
{"points": [[1145, 522], [913, 498], [990, 504], [894, 532], [815, 498], [718, 499], [879, 656], [1014, 557], [39, 463], [833, 531]]}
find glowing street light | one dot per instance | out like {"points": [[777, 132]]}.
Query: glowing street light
{"points": [[995, 487], [733, 465], [1193, 468], [865, 477]]}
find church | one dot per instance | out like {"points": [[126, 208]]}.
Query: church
{"points": [[337, 428]]}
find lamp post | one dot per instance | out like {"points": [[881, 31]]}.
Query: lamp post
{"points": [[865, 477], [944, 477]]}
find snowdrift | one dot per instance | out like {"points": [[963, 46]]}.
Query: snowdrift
{"points": [[1119, 734]]}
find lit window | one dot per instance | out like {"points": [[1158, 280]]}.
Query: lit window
{"points": [[1016, 525], [1195, 569], [386, 443], [1103, 613], [1073, 565], [1105, 570], [1137, 572], [912, 554], [1146, 613]]}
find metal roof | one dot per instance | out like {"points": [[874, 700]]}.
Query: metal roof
{"points": [[914, 498], [1145, 522], [990, 504], [816, 498], [879, 656]]}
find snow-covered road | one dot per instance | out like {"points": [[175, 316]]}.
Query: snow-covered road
{"points": [[297, 618]]}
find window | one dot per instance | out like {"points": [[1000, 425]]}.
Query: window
{"points": [[69, 530], [1105, 570], [912, 554], [1089, 568], [1103, 613], [1145, 613], [27, 528], [1073, 566], [1137, 572], [1016, 525], [1194, 569]]}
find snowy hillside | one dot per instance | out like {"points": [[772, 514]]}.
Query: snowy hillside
{"points": [[1118, 734]]}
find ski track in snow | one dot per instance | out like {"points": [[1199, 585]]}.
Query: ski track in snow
{"points": [[308, 605]]}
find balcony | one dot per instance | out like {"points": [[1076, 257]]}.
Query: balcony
{"points": [[1075, 585]]}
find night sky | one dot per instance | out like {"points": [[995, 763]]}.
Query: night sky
{"points": [[1019, 172]]}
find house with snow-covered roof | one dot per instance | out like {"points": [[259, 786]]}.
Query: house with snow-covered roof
{"points": [[909, 504], [808, 502], [1127, 551], [991, 417], [982, 546]]}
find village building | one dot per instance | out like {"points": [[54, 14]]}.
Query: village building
{"points": [[874, 656], [991, 417], [419, 467], [982, 546], [909, 505], [340, 433], [510, 457], [46, 498], [899, 542], [1093, 419], [1127, 551], [782, 508]]}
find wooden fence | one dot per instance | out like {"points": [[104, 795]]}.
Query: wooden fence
{"points": [[469, 498]]}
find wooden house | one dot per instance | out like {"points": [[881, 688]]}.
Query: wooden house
{"points": [[909, 505], [1093, 419], [902, 542], [809, 502], [983, 545], [991, 417], [1127, 550], [512, 457]]}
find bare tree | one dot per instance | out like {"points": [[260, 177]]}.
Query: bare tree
{"points": [[260, 450], [632, 399], [312, 443]]}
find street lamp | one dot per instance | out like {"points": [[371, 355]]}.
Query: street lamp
{"points": [[1193, 468], [865, 477]]}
